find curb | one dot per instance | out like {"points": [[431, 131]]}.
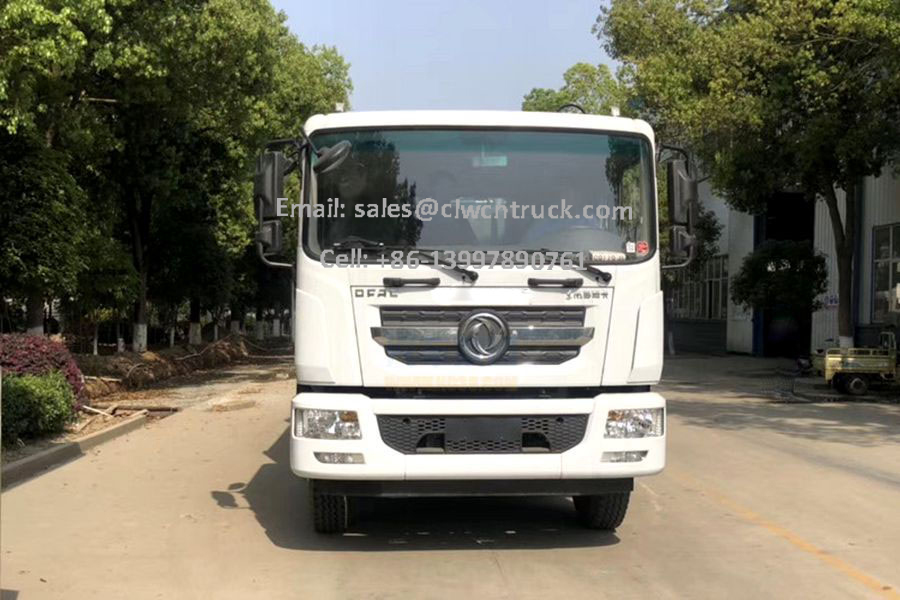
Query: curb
{"points": [[26, 468]]}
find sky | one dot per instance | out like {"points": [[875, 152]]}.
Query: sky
{"points": [[450, 54]]}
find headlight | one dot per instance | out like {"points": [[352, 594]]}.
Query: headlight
{"points": [[326, 424], [635, 423]]}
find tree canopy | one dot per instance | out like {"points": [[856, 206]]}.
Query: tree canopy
{"points": [[771, 95], [128, 132], [593, 88]]}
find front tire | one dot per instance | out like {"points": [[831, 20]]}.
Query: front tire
{"points": [[857, 385], [604, 512], [330, 513]]}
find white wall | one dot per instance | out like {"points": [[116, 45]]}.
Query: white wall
{"points": [[825, 321], [881, 206], [740, 244], [881, 198], [736, 241]]}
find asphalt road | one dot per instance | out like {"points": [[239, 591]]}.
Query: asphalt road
{"points": [[760, 499]]}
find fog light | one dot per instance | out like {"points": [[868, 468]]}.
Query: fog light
{"points": [[321, 424], [340, 458], [635, 423], [624, 457]]}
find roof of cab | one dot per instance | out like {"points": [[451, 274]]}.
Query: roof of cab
{"points": [[476, 118]]}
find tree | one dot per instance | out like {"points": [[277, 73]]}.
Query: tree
{"points": [[772, 95], [127, 124], [784, 276], [593, 88], [43, 221], [47, 124], [215, 79], [106, 286]]}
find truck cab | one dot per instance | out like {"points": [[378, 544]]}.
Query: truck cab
{"points": [[457, 330]]}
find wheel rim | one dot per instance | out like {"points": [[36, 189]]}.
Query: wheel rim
{"points": [[857, 385]]}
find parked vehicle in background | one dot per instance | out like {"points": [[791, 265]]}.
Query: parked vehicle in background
{"points": [[853, 370]]}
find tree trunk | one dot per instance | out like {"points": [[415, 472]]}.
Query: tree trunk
{"points": [[195, 334], [844, 231], [120, 341], [236, 316], [139, 217], [34, 307], [172, 336], [96, 338], [139, 334], [260, 325]]}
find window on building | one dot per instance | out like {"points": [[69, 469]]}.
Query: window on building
{"points": [[886, 271], [703, 295]]}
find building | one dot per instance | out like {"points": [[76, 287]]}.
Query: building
{"points": [[703, 317]]}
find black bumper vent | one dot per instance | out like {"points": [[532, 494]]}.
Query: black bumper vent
{"points": [[482, 435]]}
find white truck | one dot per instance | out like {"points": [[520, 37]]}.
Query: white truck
{"points": [[454, 334]]}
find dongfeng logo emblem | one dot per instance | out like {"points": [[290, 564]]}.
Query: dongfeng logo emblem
{"points": [[483, 338]]}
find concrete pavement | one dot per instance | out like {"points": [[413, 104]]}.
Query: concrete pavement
{"points": [[760, 499]]}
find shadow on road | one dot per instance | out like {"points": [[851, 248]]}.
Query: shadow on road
{"points": [[279, 502], [741, 393], [857, 424]]}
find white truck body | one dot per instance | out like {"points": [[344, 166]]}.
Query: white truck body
{"points": [[342, 366]]}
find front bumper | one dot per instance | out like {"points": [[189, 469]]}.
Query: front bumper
{"points": [[382, 463]]}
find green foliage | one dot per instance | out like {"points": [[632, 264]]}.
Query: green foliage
{"points": [[43, 46], [129, 131], [781, 274], [35, 405], [771, 95], [593, 88], [707, 230], [42, 217]]}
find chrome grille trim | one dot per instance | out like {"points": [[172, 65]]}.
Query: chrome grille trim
{"points": [[559, 316], [547, 335], [518, 336]]}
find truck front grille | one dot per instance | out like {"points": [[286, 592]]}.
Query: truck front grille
{"points": [[482, 434], [541, 335]]}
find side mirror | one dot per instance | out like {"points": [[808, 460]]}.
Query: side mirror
{"points": [[330, 158], [681, 243], [681, 192], [268, 187], [268, 184], [269, 236]]}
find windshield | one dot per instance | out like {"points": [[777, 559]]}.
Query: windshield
{"points": [[488, 190]]}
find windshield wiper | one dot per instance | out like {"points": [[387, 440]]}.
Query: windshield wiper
{"points": [[443, 262], [354, 242], [598, 273]]}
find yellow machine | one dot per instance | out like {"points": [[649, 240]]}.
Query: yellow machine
{"points": [[852, 370]]}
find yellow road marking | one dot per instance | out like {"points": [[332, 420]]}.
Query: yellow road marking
{"points": [[798, 542]]}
